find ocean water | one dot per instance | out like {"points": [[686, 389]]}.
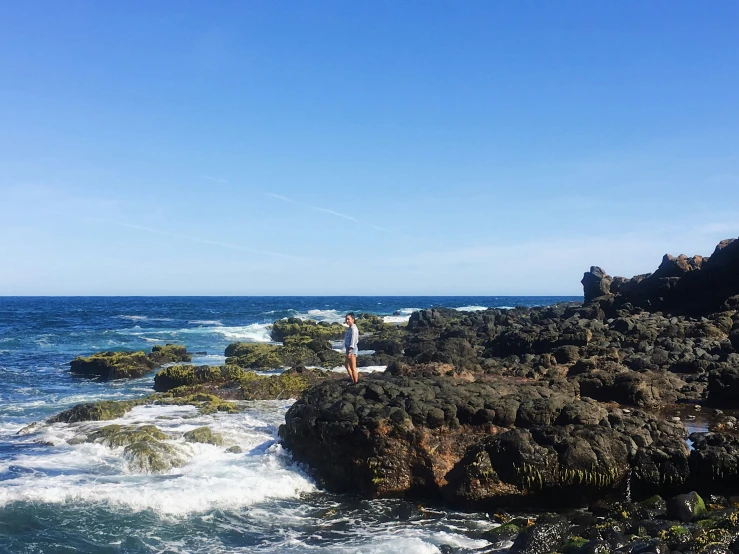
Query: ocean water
{"points": [[57, 496]]}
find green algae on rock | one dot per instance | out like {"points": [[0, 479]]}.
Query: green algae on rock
{"points": [[289, 384], [188, 375], [127, 365], [204, 435], [123, 435], [295, 326], [297, 350], [150, 456], [97, 411]]}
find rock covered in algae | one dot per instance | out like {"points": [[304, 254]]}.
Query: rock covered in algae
{"points": [[294, 326], [233, 382], [123, 435], [188, 375], [126, 365], [97, 411], [297, 350], [148, 456], [143, 446], [204, 435]]}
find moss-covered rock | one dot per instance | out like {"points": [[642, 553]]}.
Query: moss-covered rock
{"points": [[123, 435], [112, 365], [501, 534], [297, 350], [127, 365], [169, 353], [188, 375], [204, 435], [295, 326], [97, 411], [720, 537], [195, 396], [234, 450], [289, 384], [149, 456], [677, 537], [371, 323]]}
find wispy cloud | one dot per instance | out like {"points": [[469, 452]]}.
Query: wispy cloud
{"points": [[179, 236], [327, 211], [214, 179]]}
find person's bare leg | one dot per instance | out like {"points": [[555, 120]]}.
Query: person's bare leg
{"points": [[355, 375], [348, 366]]}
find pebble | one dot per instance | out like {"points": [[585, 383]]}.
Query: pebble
{"points": [[675, 418], [718, 412]]}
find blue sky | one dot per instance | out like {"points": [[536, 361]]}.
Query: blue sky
{"points": [[420, 147]]}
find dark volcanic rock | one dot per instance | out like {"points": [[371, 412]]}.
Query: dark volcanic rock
{"points": [[596, 283], [475, 443], [697, 286], [723, 388]]}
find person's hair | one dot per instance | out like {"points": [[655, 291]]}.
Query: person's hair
{"points": [[353, 316]]}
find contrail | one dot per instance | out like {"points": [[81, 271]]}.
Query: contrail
{"points": [[183, 237], [327, 211]]}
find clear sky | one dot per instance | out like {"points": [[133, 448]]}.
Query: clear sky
{"points": [[361, 147]]}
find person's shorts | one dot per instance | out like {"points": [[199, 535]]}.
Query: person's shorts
{"points": [[350, 351]]}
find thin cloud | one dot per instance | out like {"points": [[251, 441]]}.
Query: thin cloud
{"points": [[214, 179], [178, 236]]}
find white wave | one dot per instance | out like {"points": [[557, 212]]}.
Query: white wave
{"points": [[400, 316], [143, 318], [329, 316], [211, 479], [366, 369], [255, 332], [206, 322], [505, 307], [471, 308], [396, 318]]}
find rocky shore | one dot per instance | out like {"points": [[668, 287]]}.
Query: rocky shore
{"points": [[549, 407], [580, 406]]}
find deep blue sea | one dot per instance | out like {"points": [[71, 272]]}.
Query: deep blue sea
{"points": [[60, 496]]}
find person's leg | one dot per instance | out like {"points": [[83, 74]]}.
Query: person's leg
{"points": [[355, 375], [348, 366]]}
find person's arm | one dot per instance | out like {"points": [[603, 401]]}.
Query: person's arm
{"points": [[355, 340]]}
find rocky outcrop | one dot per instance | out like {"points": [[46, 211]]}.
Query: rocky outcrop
{"points": [[536, 405], [680, 285], [478, 443], [127, 365]]}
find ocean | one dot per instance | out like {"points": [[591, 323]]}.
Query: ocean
{"points": [[58, 496]]}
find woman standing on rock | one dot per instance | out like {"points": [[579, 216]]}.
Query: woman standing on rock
{"points": [[351, 338]]}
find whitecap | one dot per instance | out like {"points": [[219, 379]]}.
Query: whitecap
{"points": [[255, 332], [206, 322], [396, 318], [366, 369], [329, 316], [471, 308], [211, 479]]}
